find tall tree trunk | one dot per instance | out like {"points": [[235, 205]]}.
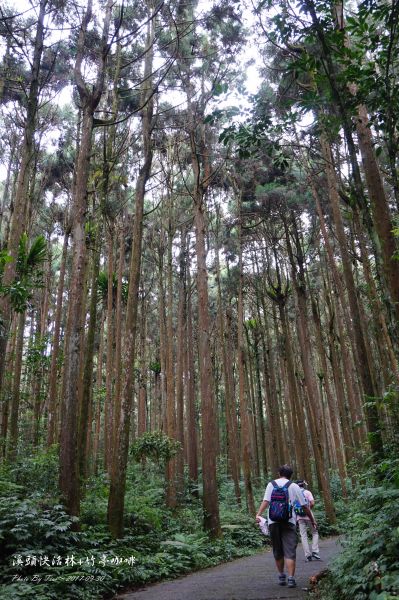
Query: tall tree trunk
{"points": [[180, 357], [171, 498], [333, 411], [6, 394], [379, 207], [109, 422], [69, 463], [315, 416], [336, 344], [69, 471], [380, 210], [192, 450], [365, 374], [382, 337], [118, 330], [16, 390], [162, 343], [246, 456], [18, 217], [142, 395], [86, 397], [6, 188], [116, 500], [208, 408], [52, 393], [265, 440], [272, 404], [99, 386], [231, 420]]}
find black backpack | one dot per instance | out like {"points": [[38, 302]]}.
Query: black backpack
{"points": [[280, 509]]}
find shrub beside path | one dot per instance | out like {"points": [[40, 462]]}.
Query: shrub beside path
{"points": [[249, 578]]}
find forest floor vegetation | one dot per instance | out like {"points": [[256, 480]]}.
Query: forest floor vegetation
{"points": [[158, 543], [42, 555], [368, 566]]}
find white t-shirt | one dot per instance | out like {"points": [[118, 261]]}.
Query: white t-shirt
{"points": [[294, 493]]}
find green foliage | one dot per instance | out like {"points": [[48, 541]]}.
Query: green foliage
{"points": [[102, 284], [4, 259], [164, 543], [155, 367], [33, 526], [29, 273], [38, 472], [368, 567], [155, 445]]}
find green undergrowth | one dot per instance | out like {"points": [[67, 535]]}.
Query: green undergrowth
{"points": [[368, 566], [158, 543]]}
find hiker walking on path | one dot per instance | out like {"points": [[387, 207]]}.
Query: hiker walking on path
{"points": [[305, 523], [280, 496]]}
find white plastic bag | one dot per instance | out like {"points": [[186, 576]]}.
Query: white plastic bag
{"points": [[263, 526]]}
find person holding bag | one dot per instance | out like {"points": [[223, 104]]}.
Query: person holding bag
{"points": [[280, 496]]}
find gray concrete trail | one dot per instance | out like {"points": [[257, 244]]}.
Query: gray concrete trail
{"points": [[250, 578]]}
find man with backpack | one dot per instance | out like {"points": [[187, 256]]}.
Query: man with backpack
{"points": [[280, 497], [304, 524]]}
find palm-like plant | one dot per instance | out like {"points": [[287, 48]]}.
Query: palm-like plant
{"points": [[29, 272]]}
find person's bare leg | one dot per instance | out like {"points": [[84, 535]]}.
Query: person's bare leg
{"points": [[280, 565], [290, 564]]}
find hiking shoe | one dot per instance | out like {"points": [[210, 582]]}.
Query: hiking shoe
{"points": [[316, 555], [291, 582], [309, 558], [282, 579]]}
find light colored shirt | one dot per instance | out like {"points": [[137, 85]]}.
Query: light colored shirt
{"points": [[309, 497], [294, 493]]}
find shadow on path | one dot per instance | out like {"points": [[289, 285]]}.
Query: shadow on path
{"points": [[250, 578]]}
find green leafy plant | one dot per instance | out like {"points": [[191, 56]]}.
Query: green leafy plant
{"points": [[368, 567], [155, 445], [29, 272]]}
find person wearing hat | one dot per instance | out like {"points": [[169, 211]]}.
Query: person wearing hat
{"points": [[305, 524]]}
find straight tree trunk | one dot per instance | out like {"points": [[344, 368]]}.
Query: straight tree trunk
{"points": [[192, 445], [118, 329], [180, 358], [20, 201], [171, 498], [208, 412], [7, 182], [264, 439], [231, 421], [109, 367], [6, 395], [365, 373], [246, 455], [201, 172], [142, 395], [380, 210], [379, 207], [86, 398], [333, 411], [16, 390], [69, 463], [315, 416], [116, 498], [382, 337], [272, 404], [99, 386]]}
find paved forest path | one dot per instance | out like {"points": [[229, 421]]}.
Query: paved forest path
{"points": [[249, 578]]}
